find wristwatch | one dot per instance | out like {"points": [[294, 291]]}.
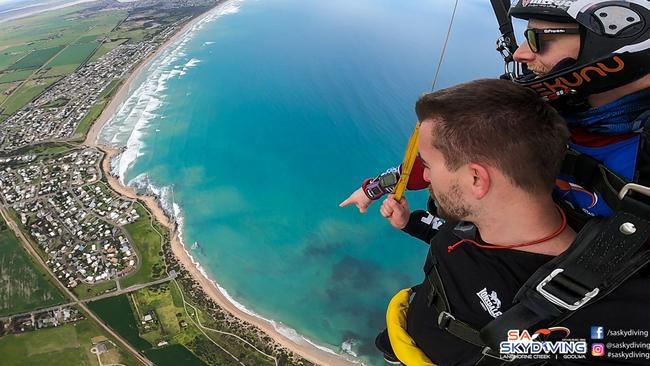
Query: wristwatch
{"points": [[385, 183]]}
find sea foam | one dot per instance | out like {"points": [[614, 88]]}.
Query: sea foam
{"points": [[131, 124], [128, 127]]}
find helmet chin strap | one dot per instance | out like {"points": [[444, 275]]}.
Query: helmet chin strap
{"points": [[527, 75], [564, 63]]}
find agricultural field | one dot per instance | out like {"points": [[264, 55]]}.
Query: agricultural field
{"points": [[147, 241], [35, 59], [25, 93], [40, 50], [75, 54], [10, 77], [65, 345], [23, 286]]}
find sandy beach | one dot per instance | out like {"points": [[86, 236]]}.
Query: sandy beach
{"points": [[309, 352]]}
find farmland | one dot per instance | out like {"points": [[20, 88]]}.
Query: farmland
{"points": [[24, 287], [66, 345], [36, 52]]}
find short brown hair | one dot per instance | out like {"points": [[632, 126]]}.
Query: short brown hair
{"points": [[499, 123]]}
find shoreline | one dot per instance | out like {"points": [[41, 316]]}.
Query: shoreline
{"points": [[123, 92], [308, 351]]}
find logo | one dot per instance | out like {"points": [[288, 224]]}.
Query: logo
{"points": [[434, 221], [490, 302], [559, 85], [546, 332], [597, 349], [583, 195], [524, 345], [564, 4], [597, 332]]}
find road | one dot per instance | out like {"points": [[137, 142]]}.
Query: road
{"points": [[98, 297], [25, 243]]}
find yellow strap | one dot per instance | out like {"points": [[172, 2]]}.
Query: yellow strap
{"points": [[407, 163], [403, 345]]}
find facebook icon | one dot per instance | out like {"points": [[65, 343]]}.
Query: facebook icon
{"points": [[597, 332]]}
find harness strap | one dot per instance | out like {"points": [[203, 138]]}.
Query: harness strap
{"points": [[594, 176], [438, 302], [603, 256]]}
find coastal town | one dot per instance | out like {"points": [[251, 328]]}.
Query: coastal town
{"points": [[74, 217], [60, 203], [56, 114]]}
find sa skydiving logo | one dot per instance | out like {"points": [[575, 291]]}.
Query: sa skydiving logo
{"points": [[522, 344]]}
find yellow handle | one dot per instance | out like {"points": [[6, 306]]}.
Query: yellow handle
{"points": [[403, 345], [407, 164]]}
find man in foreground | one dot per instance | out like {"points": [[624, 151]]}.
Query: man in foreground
{"points": [[607, 106], [491, 172]]}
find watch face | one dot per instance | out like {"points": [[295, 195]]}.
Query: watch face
{"points": [[387, 180], [375, 191]]}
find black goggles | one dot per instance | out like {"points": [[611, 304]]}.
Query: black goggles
{"points": [[532, 35]]}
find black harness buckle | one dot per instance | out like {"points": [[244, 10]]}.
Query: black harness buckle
{"points": [[572, 289], [444, 319]]}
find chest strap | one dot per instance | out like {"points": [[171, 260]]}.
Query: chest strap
{"points": [[605, 254], [439, 304]]}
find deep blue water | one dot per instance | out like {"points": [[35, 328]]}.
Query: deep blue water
{"points": [[291, 104]]}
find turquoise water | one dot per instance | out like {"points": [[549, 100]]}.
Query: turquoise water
{"points": [[264, 119]]}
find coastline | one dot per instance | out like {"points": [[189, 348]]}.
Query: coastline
{"points": [[306, 350], [123, 92]]}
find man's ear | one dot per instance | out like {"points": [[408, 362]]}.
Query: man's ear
{"points": [[481, 181]]}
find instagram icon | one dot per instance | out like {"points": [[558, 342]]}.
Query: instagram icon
{"points": [[598, 349]]}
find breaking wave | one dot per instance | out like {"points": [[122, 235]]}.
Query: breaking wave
{"points": [[128, 127], [165, 197]]}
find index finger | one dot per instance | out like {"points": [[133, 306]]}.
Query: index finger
{"points": [[345, 202]]}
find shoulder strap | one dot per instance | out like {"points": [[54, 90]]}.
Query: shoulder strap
{"points": [[593, 175], [605, 254]]}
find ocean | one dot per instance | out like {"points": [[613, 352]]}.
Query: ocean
{"points": [[254, 125]]}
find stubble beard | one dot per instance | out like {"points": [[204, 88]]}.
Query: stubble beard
{"points": [[450, 204]]}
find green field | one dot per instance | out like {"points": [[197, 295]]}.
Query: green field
{"points": [[23, 287], [11, 76], [61, 346], [25, 94], [85, 291], [57, 42], [168, 306], [35, 59], [172, 356], [147, 243], [56, 103], [62, 70], [75, 54], [117, 313], [106, 47]]}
